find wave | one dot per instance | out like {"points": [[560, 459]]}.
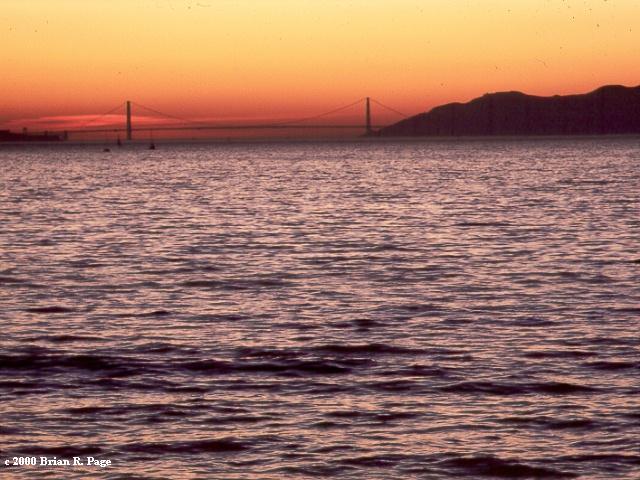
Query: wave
{"points": [[490, 466], [366, 323], [634, 310], [559, 354], [551, 423], [70, 338], [611, 365], [532, 322], [373, 461], [377, 417], [236, 284], [404, 386], [19, 283], [309, 367], [369, 348], [432, 371], [49, 309], [5, 280], [602, 459], [62, 451], [483, 224], [494, 388], [42, 361], [155, 313], [192, 447]]}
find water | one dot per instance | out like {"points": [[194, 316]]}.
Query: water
{"points": [[394, 310]]}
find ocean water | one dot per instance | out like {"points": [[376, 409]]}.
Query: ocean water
{"points": [[322, 310]]}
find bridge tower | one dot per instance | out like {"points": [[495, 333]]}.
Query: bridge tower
{"points": [[129, 136], [369, 130]]}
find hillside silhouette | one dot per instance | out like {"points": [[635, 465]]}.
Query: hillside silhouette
{"points": [[612, 109]]}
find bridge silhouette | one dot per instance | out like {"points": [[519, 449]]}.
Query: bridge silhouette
{"points": [[184, 124]]}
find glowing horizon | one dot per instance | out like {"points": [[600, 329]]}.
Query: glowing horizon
{"points": [[221, 59]]}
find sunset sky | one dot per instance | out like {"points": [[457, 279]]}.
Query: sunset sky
{"points": [[249, 59]]}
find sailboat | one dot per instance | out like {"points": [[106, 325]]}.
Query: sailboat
{"points": [[152, 146], [106, 149]]}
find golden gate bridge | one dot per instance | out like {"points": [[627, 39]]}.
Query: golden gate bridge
{"points": [[184, 124]]}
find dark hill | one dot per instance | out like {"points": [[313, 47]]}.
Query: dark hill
{"points": [[608, 110]]}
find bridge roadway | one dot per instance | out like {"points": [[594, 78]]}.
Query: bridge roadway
{"points": [[222, 127]]}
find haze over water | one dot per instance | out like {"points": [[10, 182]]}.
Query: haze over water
{"points": [[348, 310]]}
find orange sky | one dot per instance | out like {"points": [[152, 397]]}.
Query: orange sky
{"points": [[289, 58]]}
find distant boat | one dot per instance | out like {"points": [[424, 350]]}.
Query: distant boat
{"points": [[118, 142], [152, 146], [106, 149]]}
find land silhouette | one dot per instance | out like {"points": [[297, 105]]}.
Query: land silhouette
{"points": [[612, 109], [8, 136]]}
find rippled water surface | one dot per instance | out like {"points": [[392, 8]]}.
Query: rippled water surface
{"points": [[393, 310]]}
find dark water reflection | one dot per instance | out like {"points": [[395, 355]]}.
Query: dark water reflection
{"points": [[396, 310]]}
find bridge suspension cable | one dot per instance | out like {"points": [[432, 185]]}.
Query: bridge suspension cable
{"points": [[315, 117], [389, 108], [97, 117], [162, 114], [270, 124]]}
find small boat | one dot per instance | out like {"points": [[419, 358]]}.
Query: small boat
{"points": [[106, 149], [152, 146], [118, 142]]}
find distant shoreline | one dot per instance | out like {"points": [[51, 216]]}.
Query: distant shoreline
{"points": [[142, 145]]}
